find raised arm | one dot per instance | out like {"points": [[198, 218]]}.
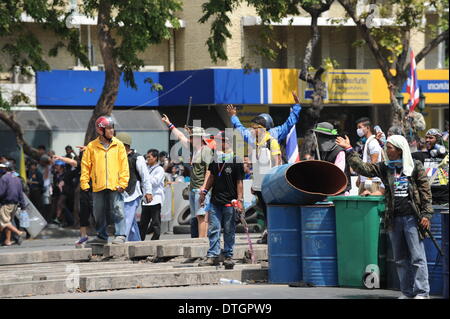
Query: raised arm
{"points": [[281, 132], [245, 133], [361, 168], [175, 131]]}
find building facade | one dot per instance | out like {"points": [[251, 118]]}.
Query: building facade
{"points": [[182, 65]]}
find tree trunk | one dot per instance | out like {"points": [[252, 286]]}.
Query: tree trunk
{"points": [[110, 90], [9, 120], [312, 113]]}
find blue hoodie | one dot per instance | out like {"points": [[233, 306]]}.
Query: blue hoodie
{"points": [[279, 132]]}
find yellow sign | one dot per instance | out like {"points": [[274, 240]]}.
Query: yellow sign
{"points": [[349, 86]]}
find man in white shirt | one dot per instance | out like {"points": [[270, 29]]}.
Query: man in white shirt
{"points": [[151, 210], [372, 153], [133, 194]]}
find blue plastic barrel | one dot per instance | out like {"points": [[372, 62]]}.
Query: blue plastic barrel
{"points": [[318, 239], [444, 216], [434, 260], [284, 244], [302, 183]]}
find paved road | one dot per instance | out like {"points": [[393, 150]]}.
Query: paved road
{"points": [[260, 291]]}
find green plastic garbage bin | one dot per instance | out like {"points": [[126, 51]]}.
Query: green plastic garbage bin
{"points": [[358, 220]]}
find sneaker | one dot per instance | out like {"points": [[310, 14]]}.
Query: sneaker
{"points": [[82, 240], [421, 297], [228, 263], [97, 241], [209, 261], [56, 222], [119, 240], [402, 296], [263, 240]]}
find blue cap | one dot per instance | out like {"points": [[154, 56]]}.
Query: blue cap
{"points": [[60, 163]]}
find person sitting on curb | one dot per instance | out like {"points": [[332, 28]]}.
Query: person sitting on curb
{"points": [[408, 193]]}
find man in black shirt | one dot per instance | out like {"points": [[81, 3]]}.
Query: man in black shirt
{"points": [[435, 162], [226, 174]]}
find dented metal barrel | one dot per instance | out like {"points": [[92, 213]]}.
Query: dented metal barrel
{"points": [[303, 183]]}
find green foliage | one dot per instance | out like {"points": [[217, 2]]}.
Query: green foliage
{"points": [[154, 86], [24, 48], [135, 25], [268, 10]]}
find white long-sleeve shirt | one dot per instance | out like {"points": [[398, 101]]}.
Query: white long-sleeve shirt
{"points": [[141, 167], [157, 176]]}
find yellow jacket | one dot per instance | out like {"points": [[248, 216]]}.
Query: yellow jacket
{"points": [[108, 168]]}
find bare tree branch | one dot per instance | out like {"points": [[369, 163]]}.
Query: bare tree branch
{"points": [[430, 46], [9, 120], [371, 42]]}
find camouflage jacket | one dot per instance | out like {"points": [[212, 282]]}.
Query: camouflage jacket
{"points": [[418, 181]]}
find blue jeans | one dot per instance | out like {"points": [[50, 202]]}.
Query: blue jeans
{"points": [[108, 202], [218, 216], [132, 229], [410, 258]]}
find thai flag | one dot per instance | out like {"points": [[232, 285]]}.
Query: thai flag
{"points": [[412, 87], [292, 146]]}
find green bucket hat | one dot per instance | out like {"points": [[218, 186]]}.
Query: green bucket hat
{"points": [[325, 128]]}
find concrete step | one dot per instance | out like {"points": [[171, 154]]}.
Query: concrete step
{"points": [[45, 256], [198, 251], [134, 276], [169, 279]]}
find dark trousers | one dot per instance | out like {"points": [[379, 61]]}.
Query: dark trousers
{"points": [[86, 208], [263, 205], [36, 199], [151, 214]]}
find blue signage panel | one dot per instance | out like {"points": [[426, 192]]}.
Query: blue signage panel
{"points": [[235, 86], [83, 88], [431, 86], [180, 85]]}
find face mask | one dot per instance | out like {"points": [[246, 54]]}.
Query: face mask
{"points": [[360, 132], [395, 163]]}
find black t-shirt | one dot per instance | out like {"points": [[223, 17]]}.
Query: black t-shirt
{"points": [[226, 176], [401, 194]]}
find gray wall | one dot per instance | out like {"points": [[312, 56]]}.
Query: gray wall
{"points": [[142, 141]]}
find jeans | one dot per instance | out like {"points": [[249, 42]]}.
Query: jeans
{"points": [[132, 229], [410, 258], [218, 216], [108, 202]]}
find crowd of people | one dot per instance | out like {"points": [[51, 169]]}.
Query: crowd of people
{"points": [[108, 180]]}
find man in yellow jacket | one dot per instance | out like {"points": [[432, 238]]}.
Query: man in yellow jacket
{"points": [[105, 165]]}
